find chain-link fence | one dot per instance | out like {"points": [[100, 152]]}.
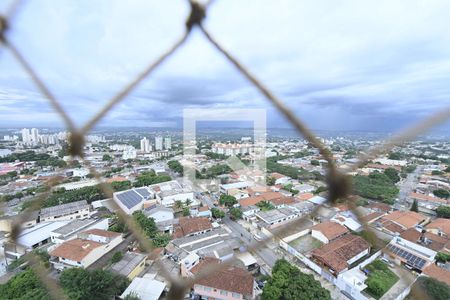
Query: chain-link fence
{"points": [[339, 184]]}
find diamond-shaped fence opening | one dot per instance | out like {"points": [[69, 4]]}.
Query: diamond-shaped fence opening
{"points": [[338, 182]]}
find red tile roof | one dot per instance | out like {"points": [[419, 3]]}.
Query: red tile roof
{"points": [[437, 273], [437, 243], [336, 253], [75, 250], [440, 224], [406, 219], [232, 279], [330, 230], [190, 225], [423, 197]]}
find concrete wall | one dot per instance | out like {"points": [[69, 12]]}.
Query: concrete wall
{"points": [[319, 236]]}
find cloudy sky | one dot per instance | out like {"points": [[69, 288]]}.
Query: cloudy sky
{"points": [[350, 65]]}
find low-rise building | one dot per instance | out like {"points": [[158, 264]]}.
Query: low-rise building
{"points": [[399, 221], [145, 287], [416, 256], [83, 251], [131, 265], [339, 254], [328, 231], [439, 226], [68, 211], [190, 226], [73, 228], [134, 199], [228, 283]]}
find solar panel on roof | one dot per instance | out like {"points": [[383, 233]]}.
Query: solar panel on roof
{"points": [[410, 258], [143, 192], [130, 198]]}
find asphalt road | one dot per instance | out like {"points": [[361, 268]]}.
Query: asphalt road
{"points": [[265, 253], [406, 187]]}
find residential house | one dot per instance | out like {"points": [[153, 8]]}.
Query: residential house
{"points": [[280, 178], [328, 231], [427, 239], [416, 256], [189, 226], [439, 226], [230, 283], [399, 221], [83, 251], [340, 253]]}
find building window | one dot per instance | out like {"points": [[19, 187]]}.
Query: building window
{"points": [[207, 289], [236, 295], [222, 292]]}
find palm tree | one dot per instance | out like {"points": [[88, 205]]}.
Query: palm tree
{"points": [[178, 205], [188, 202]]}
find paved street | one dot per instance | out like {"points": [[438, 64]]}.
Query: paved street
{"points": [[266, 254], [406, 187]]}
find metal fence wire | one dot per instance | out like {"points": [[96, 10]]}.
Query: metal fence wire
{"points": [[339, 183]]}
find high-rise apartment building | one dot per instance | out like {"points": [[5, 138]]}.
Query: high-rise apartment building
{"points": [[167, 143], [145, 145], [158, 143]]}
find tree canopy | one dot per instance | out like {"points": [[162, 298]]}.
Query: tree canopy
{"points": [[175, 166], [441, 193], [443, 211], [24, 286], [289, 283], [80, 284], [377, 186], [227, 200]]}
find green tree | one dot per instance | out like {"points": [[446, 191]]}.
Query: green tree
{"points": [[414, 206], [315, 162], [178, 205], [443, 211], [410, 168], [395, 156], [148, 225], [227, 200], [377, 186], [447, 170], [107, 157], [392, 174], [80, 284], [24, 286], [186, 212], [217, 213], [265, 205], [436, 290], [270, 180], [235, 213], [288, 282], [441, 193], [161, 240], [117, 257], [175, 166], [442, 257], [121, 185], [188, 202]]}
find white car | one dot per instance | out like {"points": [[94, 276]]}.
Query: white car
{"points": [[257, 237]]}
